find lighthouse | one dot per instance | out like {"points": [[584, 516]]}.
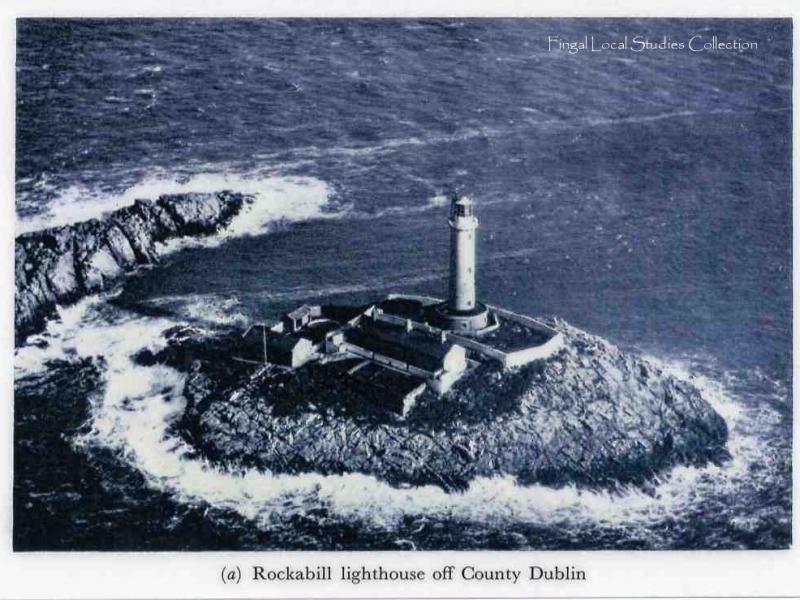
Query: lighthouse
{"points": [[462, 312], [463, 224]]}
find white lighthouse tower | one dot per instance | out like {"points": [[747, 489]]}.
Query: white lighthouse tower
{"points": [[463, 225], [462, 312]]}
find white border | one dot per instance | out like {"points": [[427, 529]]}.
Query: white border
{"points": [[196, 575]]}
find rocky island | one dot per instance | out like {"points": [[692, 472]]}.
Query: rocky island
{"points": [[590, 415], [409, 389]]}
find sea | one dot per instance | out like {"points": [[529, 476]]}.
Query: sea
{"points": [[643, 196]]}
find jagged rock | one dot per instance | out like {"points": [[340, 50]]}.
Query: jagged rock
{"points": [[63, 264], [588, 415]]}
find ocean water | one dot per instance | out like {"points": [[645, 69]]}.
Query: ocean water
{"points": [[645, 197]]}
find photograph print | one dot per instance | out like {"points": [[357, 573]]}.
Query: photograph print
{"points": [[403, 284]]}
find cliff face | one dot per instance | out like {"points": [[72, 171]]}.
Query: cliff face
{"points": [[591, 415], [63, 264]]}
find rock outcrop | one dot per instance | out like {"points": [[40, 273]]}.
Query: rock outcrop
{"points": [[592, 415], [63, 264]]}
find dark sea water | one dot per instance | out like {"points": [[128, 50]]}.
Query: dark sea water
{"points": [[645, 197]]}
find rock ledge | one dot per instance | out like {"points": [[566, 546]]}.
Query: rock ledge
{"points": [[63, 264]]}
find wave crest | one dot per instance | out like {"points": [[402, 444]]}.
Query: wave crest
{"points": [[276, 198]]}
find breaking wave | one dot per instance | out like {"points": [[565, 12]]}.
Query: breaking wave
{"points": [[276, 198]]}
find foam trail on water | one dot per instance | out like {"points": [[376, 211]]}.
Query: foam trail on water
{"points": [[139, 404]]}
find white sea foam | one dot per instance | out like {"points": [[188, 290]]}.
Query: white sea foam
{"points": [[290, 198], [52, 343], [277, 200], [203, 309], [139, 404], [82, 331]]}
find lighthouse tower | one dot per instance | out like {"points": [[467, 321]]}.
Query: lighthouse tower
{"points": [[462, 312], [462, 256]]}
